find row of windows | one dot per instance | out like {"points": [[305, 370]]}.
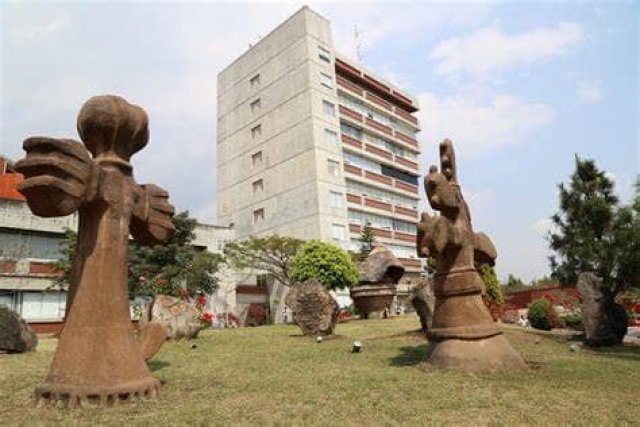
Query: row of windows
{"points": [[378, 221], [359, 106], [398, 250], [382, 195], [354, 132]]}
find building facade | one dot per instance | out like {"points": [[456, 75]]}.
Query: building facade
{"points": [[313, 145]]}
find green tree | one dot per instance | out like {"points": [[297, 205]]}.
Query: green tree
{"points": [[67, 248], [367, 242], [513, 283], [163, 268], [272, 254], [593, 233], [491, 283], [173, 265], [325, 262]]}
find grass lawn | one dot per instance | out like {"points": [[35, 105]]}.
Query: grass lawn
{"points": [[274, 375]]}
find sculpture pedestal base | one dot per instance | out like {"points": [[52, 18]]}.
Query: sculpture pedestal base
{"points": [[483, 355], [77, 396]]}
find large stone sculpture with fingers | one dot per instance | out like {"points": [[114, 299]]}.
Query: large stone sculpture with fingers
{"points": [[463, 334], [98, 359]]}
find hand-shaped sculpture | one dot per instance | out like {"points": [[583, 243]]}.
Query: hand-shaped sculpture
{"points": [[463, 334], [98, 359]]}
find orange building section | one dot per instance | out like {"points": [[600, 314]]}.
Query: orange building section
{"points": [[8, 182]]}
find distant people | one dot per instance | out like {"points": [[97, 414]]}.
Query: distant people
{"points": [[524, 322]]}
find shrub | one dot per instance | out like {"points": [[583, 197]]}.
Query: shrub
{"points": [[542, 315], [325, 262], [573, 321]]}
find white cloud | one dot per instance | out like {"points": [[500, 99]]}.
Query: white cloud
{"points": [[542, 226], [479, 125], [490, 50], [590, 91], [40, 31]]}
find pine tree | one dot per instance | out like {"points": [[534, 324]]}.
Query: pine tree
{"points": [[592, 233], [367, 242]]}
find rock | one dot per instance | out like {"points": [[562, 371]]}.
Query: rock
{"points": [[179, 317], [379, 275], [15, 334], [575, 348], [314, 309], [424, 301], [605, 322], [151, 337]]}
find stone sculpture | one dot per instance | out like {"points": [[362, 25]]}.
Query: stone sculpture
{"points": [[424, 302], [463, 334], [180, 318], [605, 321], [98, 359], [313, 308], [15, 334], [379, 274]]}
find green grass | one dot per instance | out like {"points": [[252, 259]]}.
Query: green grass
{"points": [[273, 375]]}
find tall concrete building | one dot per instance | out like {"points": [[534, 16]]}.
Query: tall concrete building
{"points": [[313, 145]]}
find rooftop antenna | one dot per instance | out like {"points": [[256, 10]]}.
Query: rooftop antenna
{"points": [[356, 35]]}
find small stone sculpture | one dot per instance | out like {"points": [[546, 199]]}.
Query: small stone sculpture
{"points": [[98, 359], [424, 302], [179, 317], [463, 334], [314, 309], [379, 274], [605, 321], [15, 334]]}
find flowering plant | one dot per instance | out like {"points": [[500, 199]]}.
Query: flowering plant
{"points": [[206, 320]]}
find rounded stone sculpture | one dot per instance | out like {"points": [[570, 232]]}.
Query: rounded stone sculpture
{"points": [[98, 359], [379, 275], [605, 321], [179, 317], [424, 302], [313, 308], [15, 334], [463, 334]]}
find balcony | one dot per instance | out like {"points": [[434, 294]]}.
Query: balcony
{"points": [[379, 101], [377, 204], [405, 115], [406, 211], [407, 237], [355, 228], [379, 126], [349, 86], [406, 186], [406, 162], [352, 169], [351, 141], [352, 198], [407, 139], [378, 178], [378, 151], [350, 113]]}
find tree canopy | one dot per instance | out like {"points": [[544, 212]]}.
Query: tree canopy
{"points": [[272, 254], [164, 268], [327, 263], [593, 232]]}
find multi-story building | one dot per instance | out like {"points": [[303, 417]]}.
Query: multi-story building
{"points": [[314, 145]]}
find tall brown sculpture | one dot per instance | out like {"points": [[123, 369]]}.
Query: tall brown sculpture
{"points": [[463, 334], [98, 359]]}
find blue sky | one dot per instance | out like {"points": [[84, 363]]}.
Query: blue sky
{"points": [[520, 87]]}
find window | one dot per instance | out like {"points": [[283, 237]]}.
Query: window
{"points": [[257, 187], [395, 173], [329, 109], [331, 137], [338, 232], [256, 158], [324, 54], [254, 81], [258, 215], [337, 199], [333, 167], [351, 131], [326, 80], [255, 106], [256, 131]]}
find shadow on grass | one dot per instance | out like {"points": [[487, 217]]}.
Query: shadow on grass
{"points": [[411, 356], [156, 365], [618, 352]]}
